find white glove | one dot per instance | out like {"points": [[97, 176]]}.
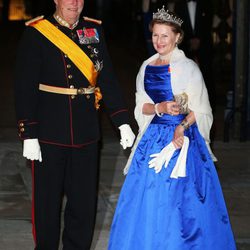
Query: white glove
{"points": [[127, 136], [163, 157], [31, 150], [166, 154], [179, 169]]}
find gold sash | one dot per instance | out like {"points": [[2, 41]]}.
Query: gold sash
{"points": [[70, 48]]}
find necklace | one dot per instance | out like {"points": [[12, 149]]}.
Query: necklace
{"points": [[65, 23]]}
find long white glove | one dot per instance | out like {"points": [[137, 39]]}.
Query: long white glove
{"points": [[32, 150], [166, 154], [127, 136], [162, 158], [179, 169]]}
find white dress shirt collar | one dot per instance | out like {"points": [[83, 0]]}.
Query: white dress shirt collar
{"points": [[192, 11]]}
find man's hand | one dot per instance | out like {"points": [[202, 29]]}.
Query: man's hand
{"points": [[31, 150], [127, 136]]}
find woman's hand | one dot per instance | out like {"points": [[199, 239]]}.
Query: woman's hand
{"points": [[171, 108], [166, 107], [178, 137]]}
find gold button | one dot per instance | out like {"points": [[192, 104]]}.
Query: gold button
{"points": [[21, 124], [73, 97], [70, 76], [65, 55], [71, 86], [68, 66], [22, 130], [87, 96]]}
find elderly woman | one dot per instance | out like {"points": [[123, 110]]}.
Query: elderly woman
{"points": [[171, 198]]}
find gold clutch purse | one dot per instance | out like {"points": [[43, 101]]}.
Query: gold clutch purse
{"points": [[182, 101]]}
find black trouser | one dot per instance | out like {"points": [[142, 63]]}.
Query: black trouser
{"points": [[71, 172]]}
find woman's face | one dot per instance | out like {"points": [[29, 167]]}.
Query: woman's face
{"points": [[163, 38], [69, 10]]}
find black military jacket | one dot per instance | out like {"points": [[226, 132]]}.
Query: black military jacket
{"points": [[56, 118]]}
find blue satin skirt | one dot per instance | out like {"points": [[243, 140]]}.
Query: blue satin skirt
{"points": [[156, 212]]}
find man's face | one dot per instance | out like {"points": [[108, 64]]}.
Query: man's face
{"points": [[69, 10]]}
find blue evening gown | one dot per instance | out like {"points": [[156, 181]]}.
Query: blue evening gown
{"points": [[156, 212]]}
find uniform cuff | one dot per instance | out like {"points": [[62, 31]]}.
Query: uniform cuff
{"points": [[27, 129], [120, 117]]}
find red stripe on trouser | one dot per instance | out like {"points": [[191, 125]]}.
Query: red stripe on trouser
{"points": [[33, 201]]}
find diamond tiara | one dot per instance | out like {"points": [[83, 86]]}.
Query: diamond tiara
{"points": [[161, 14]]}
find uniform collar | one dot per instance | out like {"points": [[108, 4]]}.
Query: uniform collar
{"points": [[64, 23]]}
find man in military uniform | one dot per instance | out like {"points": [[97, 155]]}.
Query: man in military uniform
{"points": [[62, 71]]}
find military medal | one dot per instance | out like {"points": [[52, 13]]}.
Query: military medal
{"points": [[88, 36], [93, 51], [80, 36], [98, 65]]}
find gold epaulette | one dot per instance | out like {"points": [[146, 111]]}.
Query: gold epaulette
{"points": [[34, 20], [89, 19]]}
